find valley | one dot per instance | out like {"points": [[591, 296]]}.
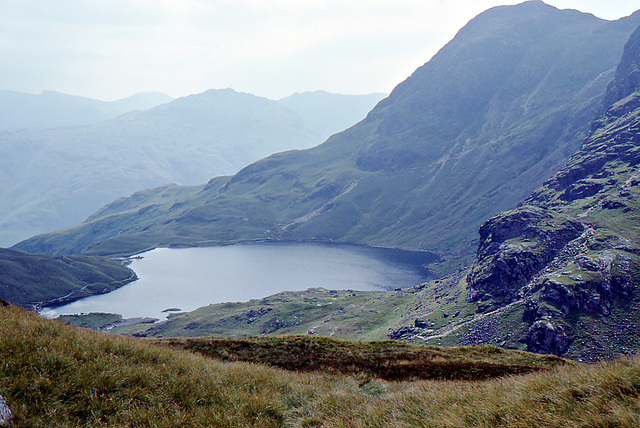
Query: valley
{"points": [[549, 273], [57, 176], [476, 234]]}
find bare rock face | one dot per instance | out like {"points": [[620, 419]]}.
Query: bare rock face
{"points": [[546, 337], [515, 246], [6, 418], [627, 78]]}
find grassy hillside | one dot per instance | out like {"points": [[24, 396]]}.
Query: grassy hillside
{"points": [[335, 313], [55, 375], [36, 280], [496, 112], [389, 360]]}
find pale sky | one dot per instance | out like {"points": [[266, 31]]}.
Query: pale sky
{"points": [[110, 49]]}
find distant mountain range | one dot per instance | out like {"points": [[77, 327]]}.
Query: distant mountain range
{"points": [[471, 133], [19, 111], [54, 178]]}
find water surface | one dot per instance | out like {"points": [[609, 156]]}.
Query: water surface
{"points": [[189, 278]]}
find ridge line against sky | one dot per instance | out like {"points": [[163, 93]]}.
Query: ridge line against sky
{"points": [[112, 49]]}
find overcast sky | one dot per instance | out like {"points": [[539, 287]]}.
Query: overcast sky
{"points": [[110, 49]]}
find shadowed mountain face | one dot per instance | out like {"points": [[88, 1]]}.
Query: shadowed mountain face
{"points": [[55, 178], [495, 113], [559, 274], [34, 281], [566, 262]]}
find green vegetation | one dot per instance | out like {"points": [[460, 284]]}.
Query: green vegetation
{"points": [[55, 178], [335, 313], [94, 320], [35, 280], [56, 375]]}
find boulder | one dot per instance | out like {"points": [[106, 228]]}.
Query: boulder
{"points": [[6, 418], [545, 337]]}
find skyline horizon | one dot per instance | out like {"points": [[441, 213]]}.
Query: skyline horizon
{"points": [[188, 47]]}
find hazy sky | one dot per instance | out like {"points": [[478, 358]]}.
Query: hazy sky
{"points": [[110, 49]]}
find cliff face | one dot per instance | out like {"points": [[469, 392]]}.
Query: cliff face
{"points": [[514, 247], [567, 259], [627, 78]]}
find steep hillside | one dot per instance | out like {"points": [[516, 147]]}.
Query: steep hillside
{"points": [[495, 113], [55, 178], [561, 273], [35, 281]]}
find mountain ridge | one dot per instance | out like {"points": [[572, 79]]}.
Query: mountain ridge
{"points": [[55, 178], [51, 109], [558, 274], [576, 288]]}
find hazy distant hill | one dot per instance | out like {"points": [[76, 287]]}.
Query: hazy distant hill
{"points": [[50, 109], [55, 178], [331, 113], [471, 133]]}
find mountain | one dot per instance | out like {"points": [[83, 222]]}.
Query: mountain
{"points": [[561, 273], [51, 109], [471, 133], [35, 281], [55, 178], [558, 274]]}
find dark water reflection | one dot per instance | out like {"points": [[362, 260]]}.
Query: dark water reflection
{"points": [[193, 277]]}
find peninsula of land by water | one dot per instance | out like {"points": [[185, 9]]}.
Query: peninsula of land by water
{"points": [[172, 280]]}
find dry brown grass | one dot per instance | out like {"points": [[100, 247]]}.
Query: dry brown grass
{"points": [[384, 359], [56, 375]]}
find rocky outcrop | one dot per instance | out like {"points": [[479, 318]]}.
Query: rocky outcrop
{"points": [[627, 78], [515, 246], [6, 418], [574, 288], [595, 293], [546, 337]]}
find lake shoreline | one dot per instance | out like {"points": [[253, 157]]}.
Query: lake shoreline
{"points": [[251, 267]]}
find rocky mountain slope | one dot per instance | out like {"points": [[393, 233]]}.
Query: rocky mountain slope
{"points": [[55, 178], [564, 266], [559, 274], [471, 133]]}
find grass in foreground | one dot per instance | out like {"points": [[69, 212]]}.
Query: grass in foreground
{"points": [[55, 375]]}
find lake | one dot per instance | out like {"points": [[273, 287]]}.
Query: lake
{"points": [[188, 278]]}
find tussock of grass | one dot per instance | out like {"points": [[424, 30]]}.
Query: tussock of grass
{"points": [[387, 359], [56, 375]]}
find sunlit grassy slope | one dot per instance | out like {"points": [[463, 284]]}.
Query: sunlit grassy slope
{"points": [[56, 375]]}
